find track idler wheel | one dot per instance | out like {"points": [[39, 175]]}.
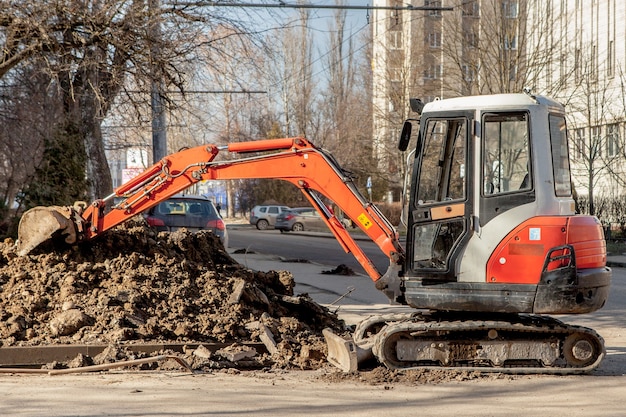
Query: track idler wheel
{"points": [[581, 349]]}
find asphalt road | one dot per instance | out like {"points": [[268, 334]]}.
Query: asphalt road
{"points": [[321, 248]]}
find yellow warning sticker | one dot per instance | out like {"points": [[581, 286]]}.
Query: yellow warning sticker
{"points": [[365, 221]]}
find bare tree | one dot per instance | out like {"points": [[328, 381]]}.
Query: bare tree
{"points": [[288, 70], [92, 48], [27, 113], [594, 134], [345, 101], [300, 93], [495, 46]]}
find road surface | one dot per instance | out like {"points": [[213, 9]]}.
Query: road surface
{"points": [[321, 247]]}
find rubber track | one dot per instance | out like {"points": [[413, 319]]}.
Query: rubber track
{"points": [[522, 324]]}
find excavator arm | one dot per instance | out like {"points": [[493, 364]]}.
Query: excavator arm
{"points": [[295, 160]]}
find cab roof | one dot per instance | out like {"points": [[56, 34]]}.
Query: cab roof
{"points": [[492, 102]]}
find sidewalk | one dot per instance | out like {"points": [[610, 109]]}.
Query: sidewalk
{"points": [[616, 261]]}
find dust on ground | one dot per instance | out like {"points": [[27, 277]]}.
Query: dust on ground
{"points": [[382, 376]]}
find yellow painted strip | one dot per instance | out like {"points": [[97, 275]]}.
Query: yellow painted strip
{"points": [[365, 221]]}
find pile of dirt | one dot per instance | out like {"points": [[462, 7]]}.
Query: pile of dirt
{"points": [[133, 285]]}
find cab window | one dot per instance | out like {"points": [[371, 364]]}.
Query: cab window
{"points": [[560, 156], [442, 174], [506, 153]]}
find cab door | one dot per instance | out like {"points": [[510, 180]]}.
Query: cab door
{"points": [[441, 196]]}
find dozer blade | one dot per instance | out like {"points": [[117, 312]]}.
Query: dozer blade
{"points": [[343, 353], [40, 224]]}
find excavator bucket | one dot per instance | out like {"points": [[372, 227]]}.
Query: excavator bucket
{"points": [[344, 353], [40, 224]]}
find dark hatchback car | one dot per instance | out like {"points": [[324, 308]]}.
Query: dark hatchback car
{"points": [[191, 212], [299, 219]]}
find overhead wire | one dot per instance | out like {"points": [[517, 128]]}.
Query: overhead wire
{"points": [[292, 80]]}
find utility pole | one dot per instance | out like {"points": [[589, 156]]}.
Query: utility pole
{"points": [[157, 99]]}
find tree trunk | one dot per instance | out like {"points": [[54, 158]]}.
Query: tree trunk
{"points": [[98, 171], [230, 197]]}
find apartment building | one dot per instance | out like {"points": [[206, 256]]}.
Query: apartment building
{"points": [[438, 53], [572, 50], [587, 72]]}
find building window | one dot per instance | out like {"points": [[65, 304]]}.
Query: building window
{"points": [[548, 72], [596, 140], [469, 74], [395, 39], [612, 139], [579, 142], [563, 69], [471, 39], [433, 71], [509, 9], [434, 40], [610, 59], [433, 3], [512, 71], [594, 61], [510, 42], [471, 8], [395, 74]]}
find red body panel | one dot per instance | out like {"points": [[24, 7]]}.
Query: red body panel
{"points": [[586, 235], [521, 255]]}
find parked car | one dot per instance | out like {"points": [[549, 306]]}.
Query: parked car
{"points": [[191, 212], [299, 219], [265, 216]]}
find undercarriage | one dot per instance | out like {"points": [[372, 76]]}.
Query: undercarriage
{"points": [[507, 343]]}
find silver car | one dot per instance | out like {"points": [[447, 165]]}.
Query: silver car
{"points": [[265, 216], [299, 219]]}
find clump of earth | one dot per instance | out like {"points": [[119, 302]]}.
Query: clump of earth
{"points": [[134, 285]]}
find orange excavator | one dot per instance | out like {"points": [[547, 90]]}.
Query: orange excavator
{"points": [[493, 244]]}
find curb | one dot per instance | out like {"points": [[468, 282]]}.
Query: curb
{"points": [[615, 264]]}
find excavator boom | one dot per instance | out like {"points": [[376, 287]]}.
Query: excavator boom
{"points": [[295, 160]]}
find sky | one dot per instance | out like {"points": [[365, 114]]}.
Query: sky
{"points": [[320, 19]]}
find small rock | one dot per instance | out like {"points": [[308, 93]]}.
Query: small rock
{"points": [[67, 322], [68, 305], [183, 330], [79, 361], [238, 288], [202, 352], [267, 338], [236, 353]]}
